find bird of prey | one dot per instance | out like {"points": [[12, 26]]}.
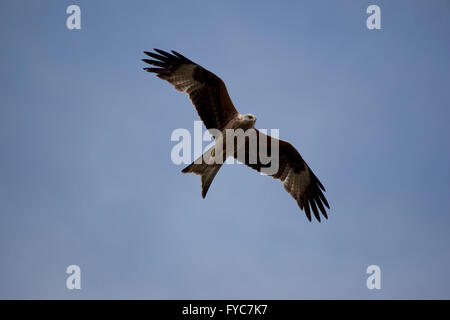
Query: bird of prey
{"points": [[209, 95]]}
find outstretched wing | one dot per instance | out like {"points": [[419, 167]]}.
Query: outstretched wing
{"points": [[297, 178], [207, 92]]}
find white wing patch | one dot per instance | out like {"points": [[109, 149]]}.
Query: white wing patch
{"points": [[295, 183], [183, 79]]}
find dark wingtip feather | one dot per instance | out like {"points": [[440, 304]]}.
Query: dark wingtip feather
{"points": [[314, 209], [147, 61], [160, 57], [164, 53], [180, 56], [321, 185], [307, 211], [322, 209], [151, 54], [156, 63], [159, 71], [324, 200]]}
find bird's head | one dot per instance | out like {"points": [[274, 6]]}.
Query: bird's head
{"points": [[250, 118]]}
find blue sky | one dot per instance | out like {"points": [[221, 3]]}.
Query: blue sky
{"points": [[86, 176]]}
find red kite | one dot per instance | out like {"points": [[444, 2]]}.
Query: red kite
{"points": [[210, 97]]}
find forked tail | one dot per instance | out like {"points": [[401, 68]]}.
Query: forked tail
{"points": [[206, 171]]}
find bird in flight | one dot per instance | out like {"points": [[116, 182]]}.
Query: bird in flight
{"points": [[209, 95]]}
